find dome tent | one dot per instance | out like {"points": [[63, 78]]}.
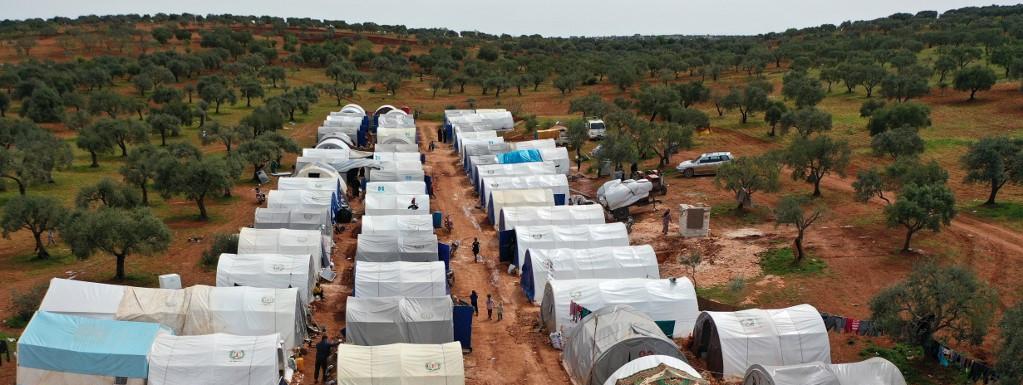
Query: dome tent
{"points": [[670, 303], [284, 241], [58, 349], [462, 136], [572, 237], [873, 371], [400, 364], [515, 169], [270, 271], [608, 339], [501, 199], [541, 265], [216, 359], [315, 169], [391, 320], [337, 185], [733, 341], [400, 279], [335, 143], [509, 217], [412, 246], [663, 368]]}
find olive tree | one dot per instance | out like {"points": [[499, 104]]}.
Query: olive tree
{"points": [[790, 211], [996, 161], [747, 175], [1010, 346], [37, 214], [811, 159], [118, 232], [919, 207]]}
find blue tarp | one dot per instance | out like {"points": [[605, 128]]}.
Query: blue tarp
{"points": [[527, 279], [444, 254], [461, 316], [520, 156], [70, 344], [507, 245]]}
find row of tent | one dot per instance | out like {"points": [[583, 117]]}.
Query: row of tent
{"points": [[605, 299]]}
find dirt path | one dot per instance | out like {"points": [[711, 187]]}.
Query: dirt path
{"points": [[511, 351]]}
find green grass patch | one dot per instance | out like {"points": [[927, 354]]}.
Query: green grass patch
{"points": [[721, 293], [1011, 213], [779, 262], [756, 215], [945, 143]]}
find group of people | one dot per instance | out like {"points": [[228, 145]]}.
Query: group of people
{"points": [[492, 305]]}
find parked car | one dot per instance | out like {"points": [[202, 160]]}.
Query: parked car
{"points": [[596, 127], [705, 164]]}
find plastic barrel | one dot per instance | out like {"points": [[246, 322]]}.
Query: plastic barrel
{"points": [[438, 218]]}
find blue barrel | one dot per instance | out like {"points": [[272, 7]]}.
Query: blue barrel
{"points": [[438, 219]]}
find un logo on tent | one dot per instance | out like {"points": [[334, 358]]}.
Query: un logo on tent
{"points": [[236, 355], [536, 236], [432, 366], [267, 300], [277, 267], [575, 294], [426, 315], [748, 322]]}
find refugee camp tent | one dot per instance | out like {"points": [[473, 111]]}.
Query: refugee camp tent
{"points": [[271, 271], [397, 187], [336, 143], [397, 156], [353, 108], [285, 241], [396, 135], [566, 216], [671, 303], [557, 183], [875, 370], [336, 185], [60, 349], [517, 169], [400, 279], [328, 153], [394, 204], [542, 265], [400, 364], [294, 219], [497, 119], [731, 342], [501, 199], [396, 147], [608, 339], [350, 130], [315, 169], [411, 246], [558, 155], [487, 153], [570, 237], [617, 193], [395, 119], [325, 201], [461, 136], [398, 172], [651, 368], [216, 359], [536, 144], [374, 224], [393, 320], [195, 310]]}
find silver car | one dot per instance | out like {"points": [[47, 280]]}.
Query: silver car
{"points": [[705, 164]]}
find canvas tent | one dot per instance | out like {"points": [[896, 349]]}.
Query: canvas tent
{"points": [[542, 265], [393, 320], [511, 217], [328, 153], [397, 157], [535, 144], [286, 241], [671, 303], [398, 172], [401, 364], [573, 237], [732, 342], [517, 169], [617, 193], [608, 339], [271, 271], [315, 169], [501, 199], [872, 371], [410, 246], [396, 135], [294, 219], [336, 143], [557, 183], [216, 359], [396, 147], [336, 185], [393, 204], [653, 368], [488, 135], [195, 310], [326, 201], [400, 279], [397, 187], [58, 349], [374, 224]]}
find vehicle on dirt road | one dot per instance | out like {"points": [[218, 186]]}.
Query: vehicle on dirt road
{"points": [[596, 127], [705, 164]]}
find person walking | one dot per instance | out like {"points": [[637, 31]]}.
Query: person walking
{"points": [[500, 310], [473, 298], [322, 358], [490, 307], [413, 206], [665, 221], [476, 250]]}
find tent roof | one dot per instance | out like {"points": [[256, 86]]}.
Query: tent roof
{"points": [[323, 169], [89, 299], [353, 108], [659, 299], [607, 339], [649, 362], [279, 271], [396, 187], [874, 370], [394, 204], [396, 147], [572, 237], [282, 241], [398, 157], [537, 144], [312, 184], [398, 309], [396, 279], [510, 217], [215, 358], [71, 344], [618, 193], [331, 153], [401, 364], [335, 142], [416, 246], [384, 223], [600, 262]]}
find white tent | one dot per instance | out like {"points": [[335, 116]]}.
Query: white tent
{"points": [[470, 150], [348, 129], [284, 241], [518, 198], [396, 135], [195, 310], [314, 168], [374, 224], [875, 370], [270, 271], [574, 237], [215, 359], [327, 153], [396, 147], [617, 193], [294, 219], [335, 143], [648, 362], [398, 187], [398, 172], [559, 156], [464, 135], [393, 320], [395, 119], [498, 119], [670, 302], [400, 279], [514, 169], [336, 185], [542, 265], [353, 109], [732, 342], [534, 144], [394, 204], [400, 364], [398, 157], [511, 217], [325, 201], [412, 246], [557, 183]]}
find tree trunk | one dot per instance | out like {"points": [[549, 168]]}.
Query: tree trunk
{"points": [[40, 247], [145, 194], [578, 159], [217, 110], [94, 162], [973, 94], [201, 202], [994, 192], [798, 252], [909, 237], [124, 148], [817, 187], [120, 267], [248, 101], [163, 138]]}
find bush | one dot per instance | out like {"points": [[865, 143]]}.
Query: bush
{"points": [[25, 305], [905, 357], [222, 243], [737, 284]]}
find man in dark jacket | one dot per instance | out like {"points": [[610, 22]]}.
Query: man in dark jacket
{"points": [[476, 250], [473, 301], [323, 349]]}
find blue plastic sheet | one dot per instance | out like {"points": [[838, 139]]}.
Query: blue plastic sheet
{"points": [[520, 156]]}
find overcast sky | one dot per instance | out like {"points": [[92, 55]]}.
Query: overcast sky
{"points": [[517, 17]]}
